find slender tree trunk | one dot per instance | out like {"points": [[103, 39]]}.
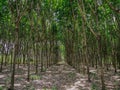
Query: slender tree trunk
{"points": [[14, 59], [1, 67], [28, 63], [101, 63]]}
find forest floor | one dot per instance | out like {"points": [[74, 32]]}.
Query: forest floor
{"points": [[59, 77]]}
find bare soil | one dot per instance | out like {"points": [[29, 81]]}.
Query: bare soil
{"points": [[59, 77]]}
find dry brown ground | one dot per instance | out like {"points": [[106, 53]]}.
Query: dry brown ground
{"points": [[59, 77]]}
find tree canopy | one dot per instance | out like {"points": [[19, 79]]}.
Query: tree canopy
{"points": [[78, 31]]}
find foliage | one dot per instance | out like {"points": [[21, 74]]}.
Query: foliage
{"points": [[54, 88], [35, 77], [1, 88], [29, 87], [94, 86], [79, 31], [71, 75]]}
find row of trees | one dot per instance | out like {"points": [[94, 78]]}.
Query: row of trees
{"points": [[33, 30], [29, 25], [92, 36]]}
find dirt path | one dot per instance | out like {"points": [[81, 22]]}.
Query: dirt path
{"points": [[62, 77]]}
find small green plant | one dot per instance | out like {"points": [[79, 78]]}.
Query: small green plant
{"points": [[7, 81], [32, 88], [71, 75], [94, 87], [44, 69], [93, 75], [35, 77], [54, 88], [1, 88], [44, 88], [29, 87], [117, 85]]}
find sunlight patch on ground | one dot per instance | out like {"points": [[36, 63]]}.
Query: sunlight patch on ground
{"points": [[2, 76], [77, 85], [116, 77], [93, 71], [17, 85], [72, 88], [61, 62], [44, 89], [1, 85]]}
